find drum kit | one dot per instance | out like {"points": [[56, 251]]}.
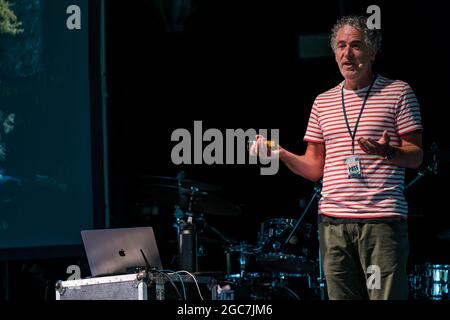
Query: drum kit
{"points": [[270, 266], [281, 262]]}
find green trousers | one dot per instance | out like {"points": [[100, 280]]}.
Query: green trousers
{"points": [[365, 260]]}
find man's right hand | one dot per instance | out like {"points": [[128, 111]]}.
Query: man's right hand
{"points": [[264, 149]]}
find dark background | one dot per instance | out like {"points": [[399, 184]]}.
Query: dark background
{"points": [[236, 64]]}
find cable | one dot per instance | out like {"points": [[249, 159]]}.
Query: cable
{"points": [[181, 279], [195, 280], [296, 296], [171, 281]]}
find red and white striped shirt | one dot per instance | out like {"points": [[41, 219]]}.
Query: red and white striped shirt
{"points": [[391, 105]]}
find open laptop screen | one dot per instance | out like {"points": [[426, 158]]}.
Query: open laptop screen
{"points": [[115, 251]]}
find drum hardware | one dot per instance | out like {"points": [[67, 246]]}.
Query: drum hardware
{"points": [[321, 282], [187, 230], [261, 286], [438, 281], [187, 243], [220, 235], [285, 263], [316, 194], [430, 281], [282, 282], [243, 252], [431, 167], [190, 204], [275, 256]]}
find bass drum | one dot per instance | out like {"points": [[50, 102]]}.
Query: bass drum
{"points": [[275, 255]]}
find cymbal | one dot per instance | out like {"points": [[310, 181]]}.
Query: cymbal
{"points": [[199, 201], [174, 182]]}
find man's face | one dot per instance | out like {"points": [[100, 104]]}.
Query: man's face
{"points": [[351, 52]]}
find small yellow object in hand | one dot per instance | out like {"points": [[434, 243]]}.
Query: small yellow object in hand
{"points": [[271, 144]]}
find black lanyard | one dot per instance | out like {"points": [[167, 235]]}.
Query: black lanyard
{"points": [[353, 135]]}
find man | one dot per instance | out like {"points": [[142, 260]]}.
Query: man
{"points": [[361, 135]]}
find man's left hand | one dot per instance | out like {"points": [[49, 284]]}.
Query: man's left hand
{"points": [[380, 147]]}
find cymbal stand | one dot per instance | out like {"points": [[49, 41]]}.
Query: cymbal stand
{"points": [[317, 189], [215, 231], [321, 278], [432, 167], [187, 236], [420, 174]]}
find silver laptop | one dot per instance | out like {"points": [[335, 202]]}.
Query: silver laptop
{"points": [[117, 251]]}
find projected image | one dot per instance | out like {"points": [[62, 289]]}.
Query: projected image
{"points": [[45, 175]]}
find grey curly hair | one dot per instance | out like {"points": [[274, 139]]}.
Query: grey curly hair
{"points": [[372, 37]]}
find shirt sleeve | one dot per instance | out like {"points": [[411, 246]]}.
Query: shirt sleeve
{"points": [[314, 131], [407, 118]]}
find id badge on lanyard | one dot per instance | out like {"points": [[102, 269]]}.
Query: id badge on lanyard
{"points": [[353, 162], [353, 167]]}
